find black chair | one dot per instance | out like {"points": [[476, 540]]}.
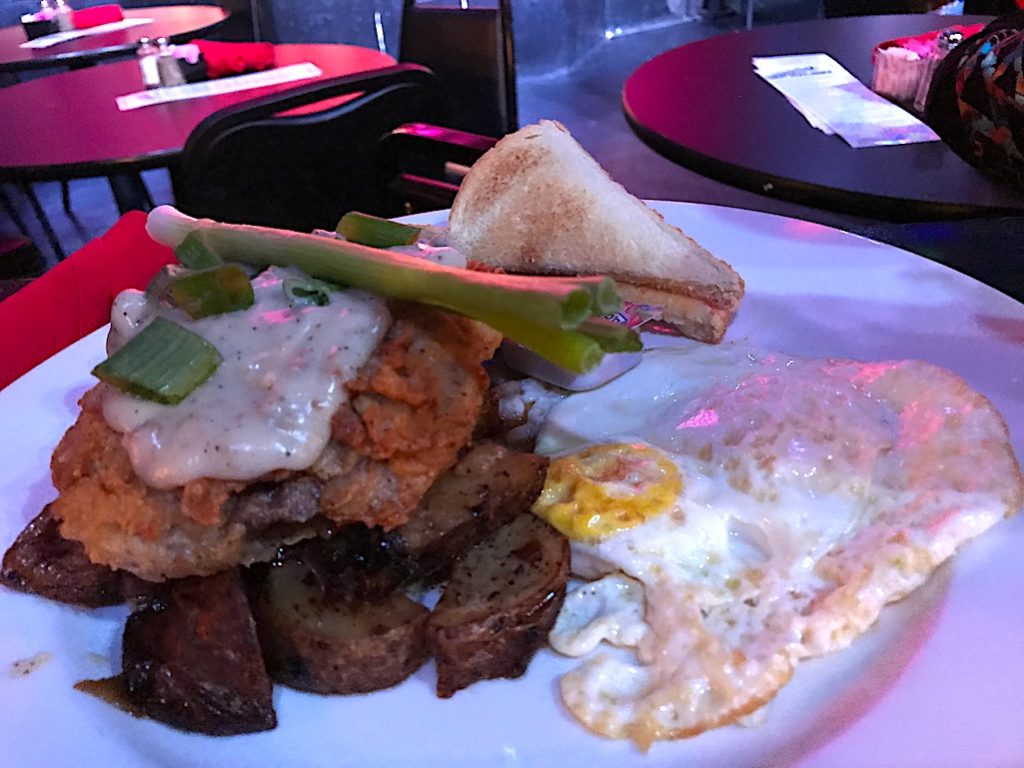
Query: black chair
{"points": [[421, 166], [44, 222], [248, 22], [472, 53], [259, 163]]}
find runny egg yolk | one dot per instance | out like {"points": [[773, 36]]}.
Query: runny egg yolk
{"points": [[607, 488]]}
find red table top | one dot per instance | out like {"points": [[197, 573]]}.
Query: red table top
{"points": [[172, 21], [68, 125]]}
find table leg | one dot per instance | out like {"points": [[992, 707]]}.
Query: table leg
{"points": [[12, 212], [130, 192], [44, 221]]}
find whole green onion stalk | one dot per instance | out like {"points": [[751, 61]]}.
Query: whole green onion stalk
{"points": [[553, 316]]}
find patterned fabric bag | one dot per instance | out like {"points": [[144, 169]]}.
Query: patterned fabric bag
{"points": [[976, 101]]}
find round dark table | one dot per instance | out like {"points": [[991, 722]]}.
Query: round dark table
{"points": [[178, 23], [702, 106], [68, 125]]}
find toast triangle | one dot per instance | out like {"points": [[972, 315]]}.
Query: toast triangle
{"points": [[537, 203]]}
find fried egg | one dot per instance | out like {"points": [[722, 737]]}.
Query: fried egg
{"points": [[734, 511]]}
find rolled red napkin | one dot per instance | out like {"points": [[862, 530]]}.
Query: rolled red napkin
{"points": [[98, 14], [223, 59], [74, 298]]}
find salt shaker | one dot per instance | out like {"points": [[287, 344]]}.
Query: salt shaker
{"points": [[147, 53], [167, 65], [64, 16]]}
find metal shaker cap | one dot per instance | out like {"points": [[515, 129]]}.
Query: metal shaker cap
{"points": [[949, 39]]}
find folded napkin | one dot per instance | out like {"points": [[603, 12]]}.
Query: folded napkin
{"points": [[224, 59], [73, 299], [98, 14]]}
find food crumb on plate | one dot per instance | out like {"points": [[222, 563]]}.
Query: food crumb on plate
{"points": [[25, 667]]}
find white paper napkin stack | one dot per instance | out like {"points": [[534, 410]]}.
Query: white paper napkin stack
{"points": [[835, 102]]}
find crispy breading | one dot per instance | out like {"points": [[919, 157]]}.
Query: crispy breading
{"points": [[411, 409], [408, 415]]}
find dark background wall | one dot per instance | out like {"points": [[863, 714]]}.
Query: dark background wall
{"points": [[550, 34]]}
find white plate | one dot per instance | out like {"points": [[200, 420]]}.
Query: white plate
{"points": [[938, 682]]}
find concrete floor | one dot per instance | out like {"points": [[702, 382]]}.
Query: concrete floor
{"points": [[588, 102], [586, 99]]}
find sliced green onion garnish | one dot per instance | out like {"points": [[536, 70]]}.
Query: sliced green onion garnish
{"points": [[577, 350], [161, 283], [611, 337], [163, 363], [380, 233], [308, 290], [572, 350], [193, 253], [213, 291], [606, 299]]}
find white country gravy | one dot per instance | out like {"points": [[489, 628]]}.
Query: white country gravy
{"points": [[269, 404]]}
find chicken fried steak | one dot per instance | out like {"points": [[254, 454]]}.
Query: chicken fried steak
{"points": [[411, 409]]}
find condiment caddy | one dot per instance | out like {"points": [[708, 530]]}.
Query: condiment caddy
{"points": [[45, 21]]}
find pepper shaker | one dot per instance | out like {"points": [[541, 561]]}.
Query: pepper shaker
{"points": [[167, 65]]}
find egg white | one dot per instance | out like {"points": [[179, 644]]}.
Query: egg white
{"points": [[814, 492]]}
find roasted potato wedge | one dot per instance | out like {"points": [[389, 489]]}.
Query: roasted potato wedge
{"points": [[499, 604], [324, 646], [355, 564], [487, 488], [191, 658], [43, 562]]}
